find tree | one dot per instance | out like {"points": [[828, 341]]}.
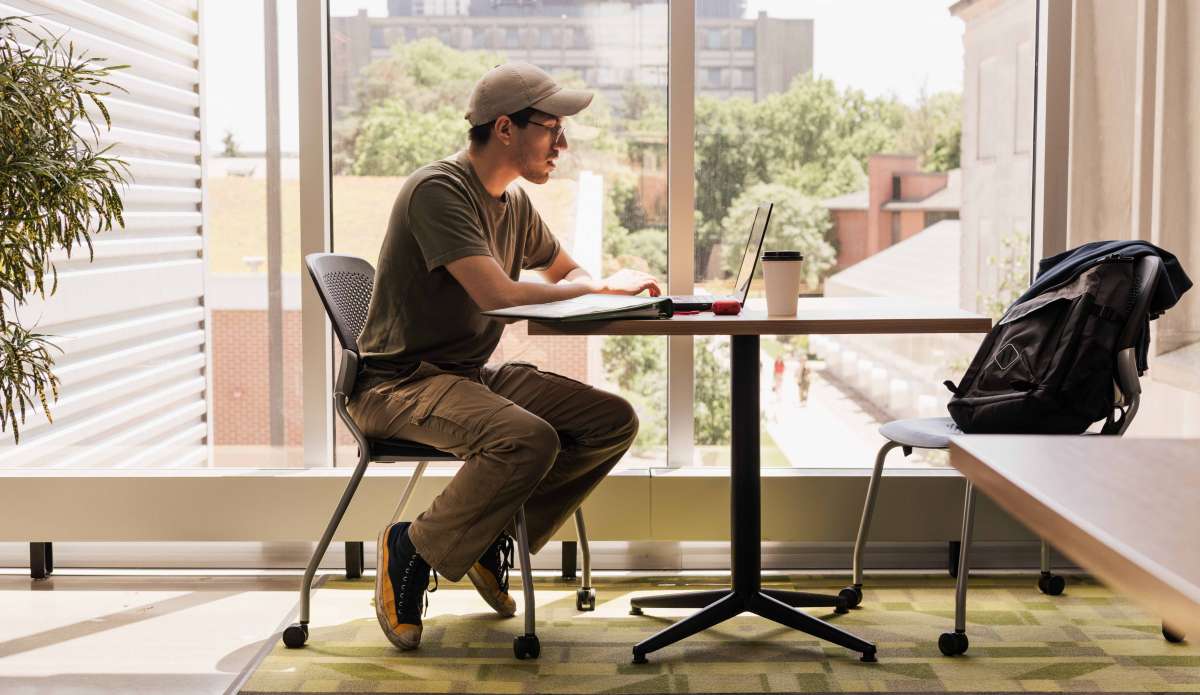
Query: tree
{"points": [[395, 140], [725, 163], [798, 223], [638, 365], [230, 145], [712, 410], [933, 130], [408, 108]]}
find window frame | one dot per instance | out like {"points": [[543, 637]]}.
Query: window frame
{"points": [[1051, 127]]}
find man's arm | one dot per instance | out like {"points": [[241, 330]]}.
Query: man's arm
{"points": [[491, 288]]}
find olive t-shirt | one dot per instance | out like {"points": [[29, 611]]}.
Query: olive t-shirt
{"points": [[419, 312]]}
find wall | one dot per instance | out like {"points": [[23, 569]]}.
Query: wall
{"points": [[997, 135]]}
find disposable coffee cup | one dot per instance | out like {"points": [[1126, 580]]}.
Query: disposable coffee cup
{"points": [[781, 274]]}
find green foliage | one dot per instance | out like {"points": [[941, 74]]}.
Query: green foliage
{"points": [[711, 410], [408, 105], [638, 365], [812, 138], [1012, 273], [57, 190], [933, 130], [229, 145], [395, 140], [409, 111], [798, 223]]}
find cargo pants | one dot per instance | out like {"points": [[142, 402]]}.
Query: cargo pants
{"points": [[525, 436]]}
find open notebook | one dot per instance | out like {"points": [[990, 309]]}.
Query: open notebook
{"points": [[591, 307]]}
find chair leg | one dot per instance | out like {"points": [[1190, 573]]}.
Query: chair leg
{"points": [[585, 595], [1049, 583], [853, 594], [526, 646], [954, 643], [330, 528], [408, 490]]}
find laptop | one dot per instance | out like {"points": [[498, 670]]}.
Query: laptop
{"points": [[741, 288]]}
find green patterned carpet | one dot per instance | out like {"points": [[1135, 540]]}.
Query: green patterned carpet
{"points": [[1087, 640]]}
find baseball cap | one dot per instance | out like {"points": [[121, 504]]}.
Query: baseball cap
{"points": [[510, 87]]}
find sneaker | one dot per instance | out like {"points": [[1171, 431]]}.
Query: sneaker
{"points": [[401, 581], [490, 575]]}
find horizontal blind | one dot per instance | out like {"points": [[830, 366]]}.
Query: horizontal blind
{"points": [[131, 323]]}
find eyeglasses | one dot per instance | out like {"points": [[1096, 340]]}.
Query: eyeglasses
{"points": [[556, 131]]}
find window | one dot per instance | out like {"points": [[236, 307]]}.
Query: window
{"points": [[714, 38], [606, 203], [748, 38], [899, 129]]}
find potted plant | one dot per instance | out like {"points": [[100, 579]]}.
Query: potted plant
{"points": [[58, 189]]}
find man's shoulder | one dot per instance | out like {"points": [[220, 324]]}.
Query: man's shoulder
{"points": [[446, 172]]}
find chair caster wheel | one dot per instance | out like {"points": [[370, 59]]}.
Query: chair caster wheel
{"points": [[295, 635], [868, 657], [634, 610], [953, 643], [1051, 584], [526, 647], [852, 594], [585, 599], [639, 658], [1172, 636]]}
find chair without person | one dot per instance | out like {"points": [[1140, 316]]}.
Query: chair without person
{"points": [[344, 284], [935, 433]]}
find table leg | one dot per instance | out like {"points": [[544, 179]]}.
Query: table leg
{"points": [[745, 506]]}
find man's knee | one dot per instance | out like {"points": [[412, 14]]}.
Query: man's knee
{"points": [[619, 417], [529, 439]]}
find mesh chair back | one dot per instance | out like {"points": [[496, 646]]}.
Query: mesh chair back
{"points": [[1145, 277], [344, 284]]}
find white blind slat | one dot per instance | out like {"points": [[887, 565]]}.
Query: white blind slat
{"points": [[131, 326]]}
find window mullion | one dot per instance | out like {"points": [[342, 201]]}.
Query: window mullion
{"points": [[681, 109]]}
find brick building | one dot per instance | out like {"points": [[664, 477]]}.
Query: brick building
{"points": [[899, 201]]}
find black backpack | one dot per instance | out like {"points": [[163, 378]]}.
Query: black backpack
{"points": [[1049, 364]]}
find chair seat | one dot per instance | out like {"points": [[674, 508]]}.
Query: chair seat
{"points": [[922, 433], [404, 450]]}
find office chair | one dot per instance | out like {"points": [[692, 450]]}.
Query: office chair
{"points": [[935, 433], [344, 284]]}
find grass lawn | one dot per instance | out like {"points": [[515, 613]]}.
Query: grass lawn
{"points": [[237, 217]]}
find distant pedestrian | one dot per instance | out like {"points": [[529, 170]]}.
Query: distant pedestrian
{"points": [[778, 375], [803, 378]]}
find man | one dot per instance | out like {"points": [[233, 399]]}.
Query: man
{"points": [[458, 238]]}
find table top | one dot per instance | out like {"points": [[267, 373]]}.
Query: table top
{"points": [[1123, 508], [814, 315]]}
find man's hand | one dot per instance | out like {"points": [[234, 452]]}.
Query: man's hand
{"points": [[628, 281]]}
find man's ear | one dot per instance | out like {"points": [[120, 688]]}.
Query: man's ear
{"points": [[502, 131]]}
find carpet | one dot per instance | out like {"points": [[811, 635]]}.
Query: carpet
{"points": [[1086, 640]]}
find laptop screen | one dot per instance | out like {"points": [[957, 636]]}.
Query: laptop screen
{"points": [[758, 230]]}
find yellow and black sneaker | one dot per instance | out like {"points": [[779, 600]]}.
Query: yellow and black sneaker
{"points": [[401, 580], [490, 575]]}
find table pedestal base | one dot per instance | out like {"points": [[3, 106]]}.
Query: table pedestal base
{"points": [[721, 605]]}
